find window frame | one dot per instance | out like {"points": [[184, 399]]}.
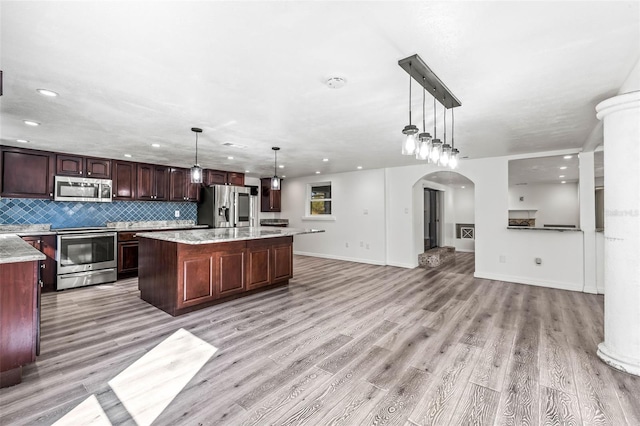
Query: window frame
{"points": [[308, 200]]}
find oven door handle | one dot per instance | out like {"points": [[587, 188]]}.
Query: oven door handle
{"points": [[84, 274], [85, 236]]}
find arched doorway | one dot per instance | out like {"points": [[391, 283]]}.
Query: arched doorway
{"points": [[444, 213]]}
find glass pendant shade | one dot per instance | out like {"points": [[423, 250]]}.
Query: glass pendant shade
{"points": [[410, 143], [445, 154], [275, 183], [436, 147], [453, 160], [196, 174], [424, 146]]}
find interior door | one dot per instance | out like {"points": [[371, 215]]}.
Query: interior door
{"points": [[431, 219]]}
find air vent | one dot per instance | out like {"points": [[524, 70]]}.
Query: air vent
{"points": [[234, 145]]}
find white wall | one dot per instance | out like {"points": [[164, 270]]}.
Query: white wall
{"points": [[358, 232], [463, 211], [556, 204]]}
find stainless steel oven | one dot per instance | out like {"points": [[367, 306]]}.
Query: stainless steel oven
{"points": [[86, 258]]}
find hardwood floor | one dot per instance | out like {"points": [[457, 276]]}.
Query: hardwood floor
{"points": [[343, 344]]}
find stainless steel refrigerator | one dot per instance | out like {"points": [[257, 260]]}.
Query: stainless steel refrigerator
{"points": [[227, 206]]}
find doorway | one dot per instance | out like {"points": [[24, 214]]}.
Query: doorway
{"points": [[431, 218]]}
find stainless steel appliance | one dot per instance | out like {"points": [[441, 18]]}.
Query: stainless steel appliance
{"points": [[86, 257], [82, 189], [227, 206]]}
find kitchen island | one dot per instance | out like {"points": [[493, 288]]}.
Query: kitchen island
{"points": [[182, 271]]}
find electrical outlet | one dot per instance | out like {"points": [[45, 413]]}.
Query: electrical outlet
{"points": [[361, 244], [346, 245], [367, 246], [406, 210], [538, 261], [366, 211], [177, 213], [503, 258]]}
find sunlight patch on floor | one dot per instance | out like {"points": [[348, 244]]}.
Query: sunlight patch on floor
{"points": [[149, 385], [88, 412]]}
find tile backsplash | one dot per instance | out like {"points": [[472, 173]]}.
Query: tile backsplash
{"points": [[62, 214]]}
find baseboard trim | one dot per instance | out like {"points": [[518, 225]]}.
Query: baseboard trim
{"points": [[560, 285], [333, 257]]}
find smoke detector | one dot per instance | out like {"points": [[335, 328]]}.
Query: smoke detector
{"points": [[336, 82]]}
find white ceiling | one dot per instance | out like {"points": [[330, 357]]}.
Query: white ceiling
{"points": [[129, 74]]}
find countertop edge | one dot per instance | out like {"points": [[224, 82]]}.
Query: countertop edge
{"points": [[286, 232], [26, 252], [532, 228]]}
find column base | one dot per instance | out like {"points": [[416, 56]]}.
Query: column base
{"points": [[619, 362]]}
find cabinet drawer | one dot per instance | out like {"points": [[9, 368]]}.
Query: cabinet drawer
{"points": [[127, 236]]}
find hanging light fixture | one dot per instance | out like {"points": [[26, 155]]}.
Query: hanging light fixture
{"points": [[424, 138], [446, 148], [275, 180], [433, 150], [453, 161], [196, 170], [410, 142]]}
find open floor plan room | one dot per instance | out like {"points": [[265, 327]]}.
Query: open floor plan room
{"points": [[344, 343]]}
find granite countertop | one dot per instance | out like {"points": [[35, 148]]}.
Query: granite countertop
{"points": [[274, 221], [14, 249], [221, 235], [533, 228], [149, 225], [26, 230]]}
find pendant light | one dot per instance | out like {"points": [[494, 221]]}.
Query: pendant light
{"points": [[196, 170], [275, 180], [424, 138], [446, 148], [453, 161], [436, 144], [410, 142]]}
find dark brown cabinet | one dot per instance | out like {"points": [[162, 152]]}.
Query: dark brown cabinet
{"points": [[124, 180], [269, 261], [47, 245], [73, 165], [181, 188], [220, 177], [152, 182], [26, 173], [231, 269], [269, 199], [127, 254]]}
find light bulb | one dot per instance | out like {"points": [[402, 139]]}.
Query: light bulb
{"points": [[434, 155], [409, 145], [445, 155]]}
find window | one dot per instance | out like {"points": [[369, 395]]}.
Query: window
{"points": [[320, 199]]}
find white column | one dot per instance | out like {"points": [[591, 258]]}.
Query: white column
{"points": [[621, 118], [587, 190]]}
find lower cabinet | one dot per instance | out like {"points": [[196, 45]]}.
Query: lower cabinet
{"points": [[127, 254], [179, 278]]}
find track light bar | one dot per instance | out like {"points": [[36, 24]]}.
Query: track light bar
{"points": [[416, 68]]}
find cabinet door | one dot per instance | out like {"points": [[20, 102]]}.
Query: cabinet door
{"points": [[235, 178], [161, 183], [69, 165], [145, 181], [231, 268], [282, 262], [124, 181], [177, 185], [216, 177], [49, 265], [128, 258], [26, 173], [98, 168], [258, 267], [274, 200], [192, 192], [196, 284]]}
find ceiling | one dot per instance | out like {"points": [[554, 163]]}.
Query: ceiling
{"points": [[130, 74]]}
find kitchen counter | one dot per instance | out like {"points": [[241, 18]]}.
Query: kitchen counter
{"points": [[27, 230], [14, 249], [533, 228], [221, 235], [152, 225], [182, 271]]}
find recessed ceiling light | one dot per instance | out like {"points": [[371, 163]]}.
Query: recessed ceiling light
{"points": [[325, 159], [359, 167], [45, 92], [155, 145], [31, 123], [564, 181], [568, 157], [128, 155], [317, 173], [336, 82], [247, 171], [229, 158], [462, 187], [281, 166], [563, 168], [22, 140], [283, 176], [561, 176]]}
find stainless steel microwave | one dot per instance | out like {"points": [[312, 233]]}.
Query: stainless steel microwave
{"points": [[83, 189]]}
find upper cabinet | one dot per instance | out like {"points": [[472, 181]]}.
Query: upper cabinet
{"points": [[180, 186], [269, 199], [219, 177], [26, 173], [152, 182], [124, 180], [73, 165]]}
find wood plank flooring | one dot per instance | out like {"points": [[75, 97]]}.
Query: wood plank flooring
{"points": [[343, 344]]}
